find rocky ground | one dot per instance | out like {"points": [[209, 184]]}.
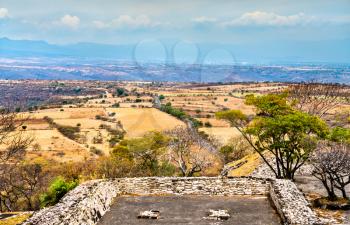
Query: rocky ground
{"points": [[176, 210], [312, 188]]}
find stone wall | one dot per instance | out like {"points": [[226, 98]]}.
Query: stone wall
{"points": [[87, 203], [194, 186], [84, 205], [290, 203]]}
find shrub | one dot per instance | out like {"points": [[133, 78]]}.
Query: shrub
{"points": [[340, 134], [69, 131], [121, 92], [196, 123], [96, 151], [207, 124], [235, 149], [178, 113], [111, 114], [57, 189], [116, 105]]}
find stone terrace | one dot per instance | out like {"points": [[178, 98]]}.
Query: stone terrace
{"points": [[87, 203]]}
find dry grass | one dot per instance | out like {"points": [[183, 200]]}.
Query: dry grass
{"points": [[138, 121], [15, 220], [222, 134], [215, 122], [335, 215], [68, 113], [53, 145], [253, 161], [235, 103], [85, 123]]}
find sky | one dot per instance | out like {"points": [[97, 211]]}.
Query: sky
{"points": [[235, 22]]}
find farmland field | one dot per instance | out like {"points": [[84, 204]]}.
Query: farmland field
{"points": [[138, 121]]}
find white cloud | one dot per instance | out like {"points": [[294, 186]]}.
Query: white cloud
{"points": [[138, 21], [204, 19], [70, 21], [100, 24], [259, 18], [4, 13], [126, 21]]}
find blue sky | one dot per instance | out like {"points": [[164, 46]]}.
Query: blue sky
{"points": [[221, 21], [264, 25]]}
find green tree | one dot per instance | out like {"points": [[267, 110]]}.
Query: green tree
{"points": [[58, 188], [288, 135], [145, 155], [340, 134], [121, 92]]}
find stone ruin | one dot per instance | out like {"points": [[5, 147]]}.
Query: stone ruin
{"points": [[220, 214], [88, 202], [151, 214]]}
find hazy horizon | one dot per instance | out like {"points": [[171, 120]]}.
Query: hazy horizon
{"points": [[188, 31]]}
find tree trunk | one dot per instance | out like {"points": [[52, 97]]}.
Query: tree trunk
{"points": [[343, 191], [330, 191]]}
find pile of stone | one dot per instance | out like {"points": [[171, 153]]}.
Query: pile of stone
{"points": [[151, 214], [220, 214]]}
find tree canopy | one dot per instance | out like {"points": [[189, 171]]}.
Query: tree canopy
{"points": [[278, 130]]}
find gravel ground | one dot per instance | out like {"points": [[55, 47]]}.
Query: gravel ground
{"points": [[176, 210], [310, 185]]}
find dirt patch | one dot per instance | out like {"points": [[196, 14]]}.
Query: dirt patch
{"points": [[176, 210]]}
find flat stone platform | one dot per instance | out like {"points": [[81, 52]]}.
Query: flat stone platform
{"points": [[176, 210]]}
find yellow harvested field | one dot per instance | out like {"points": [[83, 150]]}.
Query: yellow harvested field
{"points": [[235, 103], [84, 123], [54, 140], [68, 113], [222, 134], [54, 145], [138, 121], [36, 124]]}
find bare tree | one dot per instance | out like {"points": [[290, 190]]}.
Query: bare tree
{"points": [[21, 187], [182, 151], [235, 149], [317, 98], [13, 144], [331, 163], [13, 140]]}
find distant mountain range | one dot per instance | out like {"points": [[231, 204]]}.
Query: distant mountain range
{"points": [[337, 51], [26, 48], [24, 59]]}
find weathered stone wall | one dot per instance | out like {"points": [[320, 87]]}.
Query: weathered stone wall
{"points": [[291, 204], [83, 205], [87, 203], [194, 186]]}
